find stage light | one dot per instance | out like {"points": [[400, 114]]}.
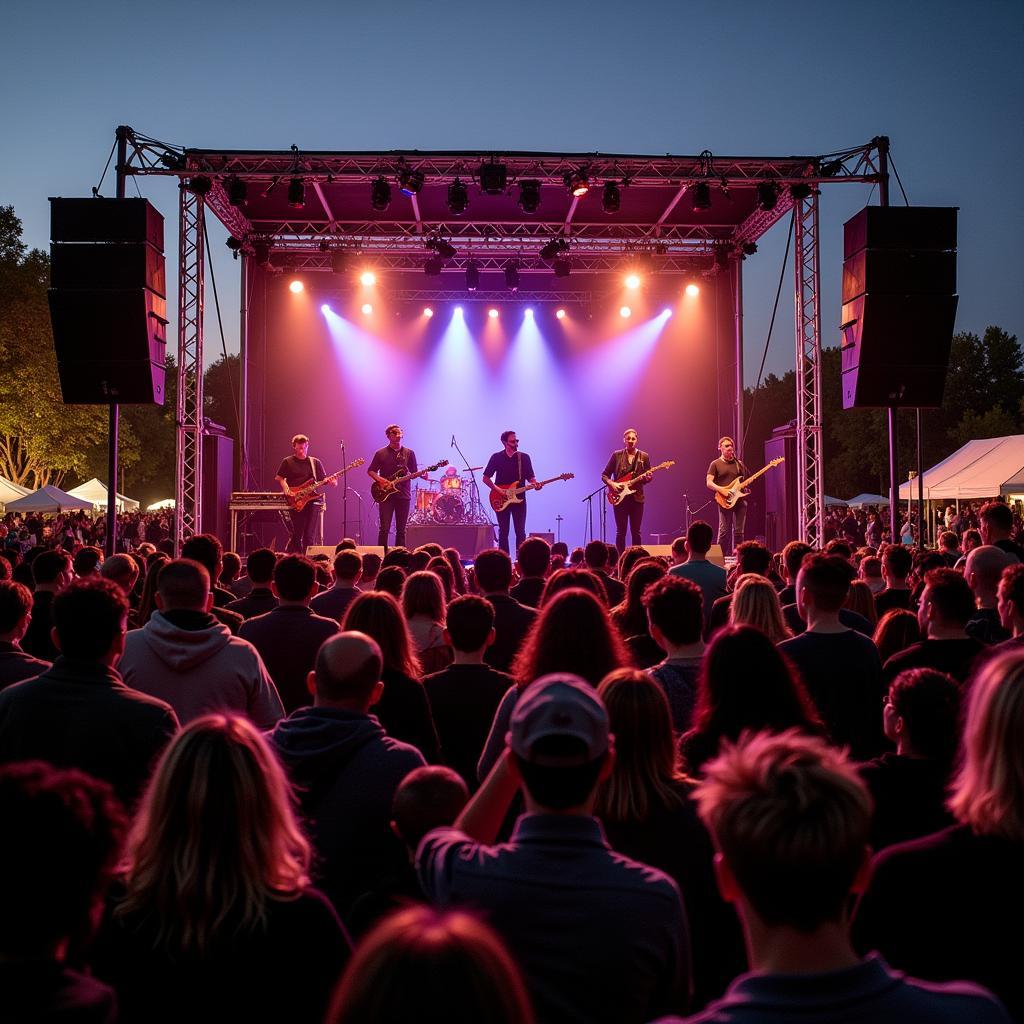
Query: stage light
{"points": [[666, 312], [199, 185], [625, 312], [512, 277], [528, 312], [492, 313], [428, 312], [721, 256], [472, 277], [238, 192], [611, 198], [577, 182], [749, 248], [367, 308], [552, 248], [560, 313], [296, 287], [409, 181], [261, 252], [367, 278], [233, 244], [380, 194], [458, 197], [799, 191], [692, 290], [561, 267], [433, 266], [529, 195], [443, 248], [493, 178], [325, 308], [702, 196], [296, 193], [767, 195], [339, 261], [632, 281], [459, 310]]}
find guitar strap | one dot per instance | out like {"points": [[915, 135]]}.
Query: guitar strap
{"points": [[519, 469]]}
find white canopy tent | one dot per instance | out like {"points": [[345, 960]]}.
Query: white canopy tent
{"points": [[835, 502], [48, 499], [10, 491], [860, 500], [95, 492], [980, 469], [163, 503]]}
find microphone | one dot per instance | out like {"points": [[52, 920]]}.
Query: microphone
{"points": [[342, 443], [452, 445]]}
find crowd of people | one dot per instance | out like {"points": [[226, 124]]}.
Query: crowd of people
{"points": [[572, 786]]}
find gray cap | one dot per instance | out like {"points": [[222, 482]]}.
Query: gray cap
{"points": [[560, 704]]}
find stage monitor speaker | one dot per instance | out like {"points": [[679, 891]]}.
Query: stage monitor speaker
{"points": [[218, 483], [466, 539], [549, 537], [781, 512]]}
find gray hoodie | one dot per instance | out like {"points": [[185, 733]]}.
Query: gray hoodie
{"points": [[192, 661]]}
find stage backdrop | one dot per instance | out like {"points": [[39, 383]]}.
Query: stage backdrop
{"points": [[568, 387]]}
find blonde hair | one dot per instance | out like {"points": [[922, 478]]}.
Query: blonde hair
{"points": [[988, 792], [755, 603], [215, 837]]}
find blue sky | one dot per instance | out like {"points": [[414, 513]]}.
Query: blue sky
{"points": [[945, 81]]}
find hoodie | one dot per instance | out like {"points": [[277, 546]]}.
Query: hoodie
{"points": [[346, 770], [193, 662]]}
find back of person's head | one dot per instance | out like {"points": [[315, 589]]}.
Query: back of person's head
{"points": [[560, 739], [792, 557], [629, 558], [988, 792], [571, 579], [345, 544], [679, 548], [534, 556], [15, 605], [753, 556], [560, 548], [997, 518], [390, 580], [925, 561], [205, 549], [699, 537], [645, 753], [755, 603], [928, 703], [396, 556], [970, 539], [454, 560], [871, 568], [6, 569], [48, 566], [348, 668], [827, 579], [949, 541], [469, 622], [840, 548], [595, 554], [897, 629], [493, 569], [439, 566], [371, 564], [950, 596], [231, 568], [897, 562], [89, 616], [418, 560], [295, 578], [791, 818], [985, 565], [214, 839], [419, 957], [260, 566], [62, 836], [183, 585], [87, 560], [423, 595], [675, 606], [427, 798], [121, 569], [348, 565], [1011, 587], [378, 615], [576, 557], [642, 574], [861, 600]]}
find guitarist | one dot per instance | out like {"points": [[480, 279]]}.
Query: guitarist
{"points": [[628, 462], [295, 470], [510, 467], [722, 472], [390, 461]]}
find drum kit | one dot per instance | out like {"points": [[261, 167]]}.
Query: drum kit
{"points": [[451, 500]]}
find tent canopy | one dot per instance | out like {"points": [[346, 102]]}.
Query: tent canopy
{"points": [[860, 500], [161, 504], [10, 491], [95, 492], [49, 499], [980, 469], [834, 502]]}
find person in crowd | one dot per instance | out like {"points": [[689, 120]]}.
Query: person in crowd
{"points": [[1010, 604], [348, 571], [790, 821], [371, 566], [751, 557], [897, 561], [123, 570], [423, 605], [839, 666], [676, 617], [214, 914], [861, 601], [230, 571], [596, 556], [390, 580], [403, 708], [87, 561], [920, 718], [647, 814], [454, 560], [259, 568], [147, 599], [949, 548], [207, 550], [15, 616], [421, 964], [512, 620], [789, 566], [533, 561], [289, 636], [983, 570], [573, 579], [949, 905], [629, 558], [970, 540], [63, 834], [947, 605], [556, 884], [346, 769], [897, 629], [755, 603], [465, 696], [996, 527], [185, 657], [80, 713], [745, 683], [870, 572], [630, 617], [51, 573]]}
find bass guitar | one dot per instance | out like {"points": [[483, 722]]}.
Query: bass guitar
{"points": [[381, 493], [503, 496], [630, 482], [299, 497], [737, 488]]}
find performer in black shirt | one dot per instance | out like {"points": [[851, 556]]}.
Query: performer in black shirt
{"points": [[722, 472], [293, 472], [631, 462], [507, 467], [390, 461]]}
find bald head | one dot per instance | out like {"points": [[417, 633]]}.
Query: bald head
{"points": [[347, 673], [984, 567]]}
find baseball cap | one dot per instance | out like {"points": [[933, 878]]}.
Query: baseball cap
{"points": [[560, 704]]}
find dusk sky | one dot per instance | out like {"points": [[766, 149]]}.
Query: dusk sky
{"points": [[944, 81]]}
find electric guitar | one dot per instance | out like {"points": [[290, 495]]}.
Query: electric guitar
{"points": [[736, 488], [299, 497], [382, 492], [616, 494], [503, 496]]}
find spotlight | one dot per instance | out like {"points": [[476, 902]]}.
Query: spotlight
{"points": [[632, 281], [472, 277], [692, 290], [233, 243], [261, 252], [493, 178], [367, 278], [428, 312], [529, 195], [199, 186], [560, 313], [799, 191], [458, 310], [325, 308], [458, 197], [666, 312], [512, 277], [562, 267], [492, 313], [409, 181], [433, 266], [625, 312], [380, 194], [339, 261], [296, 287], [367, 308], [702, 196], [611, 198], [238, 192], [749, 248], [528, 312], [296, 193], [552, 248], [577, 182], [767, 195], [442, 247]]}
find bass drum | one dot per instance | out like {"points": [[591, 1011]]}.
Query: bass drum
{"points": [[448, 508]]}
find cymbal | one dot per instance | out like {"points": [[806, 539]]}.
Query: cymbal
{"points": [[473, 469]]}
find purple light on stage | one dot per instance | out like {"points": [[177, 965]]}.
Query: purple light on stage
{"points": [[493, 314], [458, 311], [560, 313], [325, 308], [528, 311], [428, 312]]}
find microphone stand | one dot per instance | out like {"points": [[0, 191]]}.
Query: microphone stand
{"points": [[589, 499], [477, 503], [344, 495]]}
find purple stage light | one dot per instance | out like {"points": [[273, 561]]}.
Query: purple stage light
{"points": [[325, 308]]}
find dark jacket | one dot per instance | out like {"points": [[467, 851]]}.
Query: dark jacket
{"points": [[404, 712], [512, 621], [16, 665], [36, 640], [258, 601], [333, 603], [909, 795]]}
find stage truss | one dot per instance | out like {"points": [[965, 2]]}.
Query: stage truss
{"points": [[657, 232]]}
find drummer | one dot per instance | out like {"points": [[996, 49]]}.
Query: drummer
{"points": [[451, 481]]}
